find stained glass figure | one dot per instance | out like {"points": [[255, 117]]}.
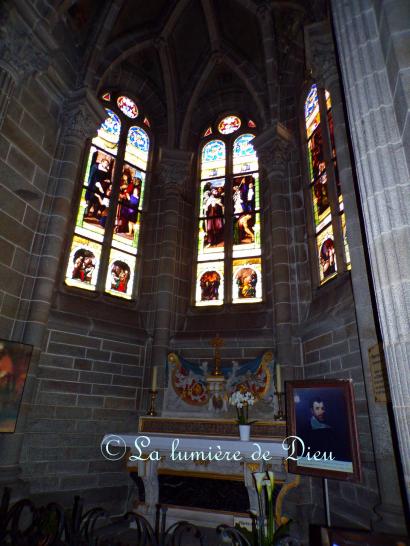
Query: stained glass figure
{"points": [[213, 159], [212, 224], [95, 197], [244, 155], [320, 198], [247, 280], [251, 124], [210, 284], [146, 122], [127, 219], [327, 255], [137, 148], [208, 132], [83, 264], [127, 107], [229, 125], [316, 155], [120, 274], [109, 133], [106, 97]]}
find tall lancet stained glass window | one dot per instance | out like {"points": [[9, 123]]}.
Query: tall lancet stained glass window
{"points": [[104, 254], [329, 224], [228, 267]]}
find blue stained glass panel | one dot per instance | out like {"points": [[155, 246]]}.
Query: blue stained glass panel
{"points": [[243, 147], [213, 151], [112, 126], [311, 101], [139, 138]]}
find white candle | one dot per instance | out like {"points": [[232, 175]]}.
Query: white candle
{"points": [[278, 379], [154, 382]]}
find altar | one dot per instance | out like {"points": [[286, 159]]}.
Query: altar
{"points": [[187, 455], [222, 460]]}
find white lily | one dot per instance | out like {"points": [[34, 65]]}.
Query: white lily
{"points": [[259, 478]]}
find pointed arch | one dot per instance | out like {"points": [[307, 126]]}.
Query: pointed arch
{"points": [[201, 82]]}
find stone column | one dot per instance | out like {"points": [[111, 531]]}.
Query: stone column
{"points": [[322, 60], [384, 183], [273, 147], [174, 169], [81, 117], [20, 58]]}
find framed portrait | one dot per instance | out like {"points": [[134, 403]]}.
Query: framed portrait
{"points": [[14, 363], [322, 433]]}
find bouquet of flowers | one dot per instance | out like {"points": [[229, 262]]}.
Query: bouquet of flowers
{"points": [[242, 401]]}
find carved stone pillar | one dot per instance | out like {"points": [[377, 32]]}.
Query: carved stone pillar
{"points": [[385, 233], [273, 148], [20, 58], [81, 117], [174, 169]]}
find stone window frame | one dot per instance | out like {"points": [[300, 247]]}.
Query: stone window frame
{"points": [[126, 122], [343, 264], [228, 258]]}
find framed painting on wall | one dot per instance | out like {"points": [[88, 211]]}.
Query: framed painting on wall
{"points": [[14, 363], [322, 433]]}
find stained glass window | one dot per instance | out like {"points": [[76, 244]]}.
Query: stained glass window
{"points": [[325, 191], [229, 125], [228, 267], [111, 204], [127, 107]]}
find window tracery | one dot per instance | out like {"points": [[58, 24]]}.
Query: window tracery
{"points": [[324, 185], [105, 245], [228, 268]]}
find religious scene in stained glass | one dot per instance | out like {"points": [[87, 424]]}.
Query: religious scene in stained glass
{"points": [[212, 225], [246, 222], [127, 218], [247, 280], [127, 107], [120, 274], [327, 256], [95, 196], [312, 114], [209, 283], [320, 198], [213, 159], [316, 159], [83, 264], [244, 155], [229, 125], [109, 133], [137, 148]]}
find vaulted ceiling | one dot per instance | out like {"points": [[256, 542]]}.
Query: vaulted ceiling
{"points": [[243, 50]]}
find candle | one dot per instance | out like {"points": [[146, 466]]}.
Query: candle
{"points": [[278, 379], [154, 378]]}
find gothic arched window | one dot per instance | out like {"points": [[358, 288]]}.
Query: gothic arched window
{"points": [[324, 186], [105, 245], [228, 268]]}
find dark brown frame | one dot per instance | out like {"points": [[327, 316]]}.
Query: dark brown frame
{"points": [[347, 388], [17, 352]]}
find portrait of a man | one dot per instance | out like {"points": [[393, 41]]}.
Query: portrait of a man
{"points": [[321, 428]]}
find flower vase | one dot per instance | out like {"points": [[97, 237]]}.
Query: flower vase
{"points": [[244, 432]]}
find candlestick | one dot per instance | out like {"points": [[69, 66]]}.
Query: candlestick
{"points": [[151, 411], [278, 386], [280, 416], [154, 380]]}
